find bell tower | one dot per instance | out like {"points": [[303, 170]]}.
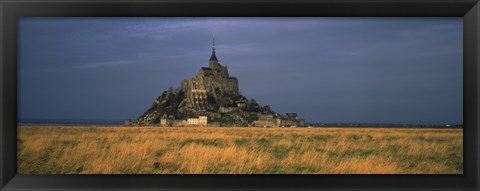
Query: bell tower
{"points": [[213, 62]]}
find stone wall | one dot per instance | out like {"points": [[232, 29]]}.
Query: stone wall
{"points": [[265, 121]]}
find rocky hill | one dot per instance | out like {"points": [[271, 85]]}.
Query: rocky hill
{"points": [[212, 93], [225, 110]]}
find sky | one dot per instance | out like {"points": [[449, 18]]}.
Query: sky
{"points": [[328, 70]]}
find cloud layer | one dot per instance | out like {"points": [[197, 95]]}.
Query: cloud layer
{"points": [[376, 70]]}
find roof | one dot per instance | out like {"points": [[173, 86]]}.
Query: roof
{"points": [[213, 57]]}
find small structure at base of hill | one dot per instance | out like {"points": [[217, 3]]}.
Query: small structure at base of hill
{"points": [[277, 120], [199, 121]]}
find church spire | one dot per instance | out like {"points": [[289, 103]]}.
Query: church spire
{"points": [[213, 46], [213, 57]]}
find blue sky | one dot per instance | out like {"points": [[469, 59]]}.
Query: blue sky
{"points": [[370, 70]]}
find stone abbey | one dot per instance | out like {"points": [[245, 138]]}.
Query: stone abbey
{"points": [[210, 80], [211, 98]]}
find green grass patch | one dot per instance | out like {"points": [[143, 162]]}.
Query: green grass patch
{"points": [[394, 149], [102, 142], [263, 141], [160, 153], [322, 137], [125, 139], [304, 169], [275, 138], [353, 137], [241, 142], [431, 139], [280, 152], [356, 153], [295, 136], [276, 169], [295, 169], [350, 154], [369, 138], [166, 166], [207, 142], [389, 138], [67, 143]]}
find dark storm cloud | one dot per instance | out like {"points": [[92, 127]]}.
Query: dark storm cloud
{"points": [[399, 70]]}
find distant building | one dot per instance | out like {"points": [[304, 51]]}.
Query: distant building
{"points": [[301, 122], [203, 120], [266, 109], [288, 122], [128, 122], [264, 120], [241, 103], [192, 121], [200, 121], [291, 115], [164, 120]]}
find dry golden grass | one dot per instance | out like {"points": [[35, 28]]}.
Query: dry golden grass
{"points": [[163, 150]]}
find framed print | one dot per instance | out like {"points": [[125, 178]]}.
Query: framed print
{"points": [[212, 95]]}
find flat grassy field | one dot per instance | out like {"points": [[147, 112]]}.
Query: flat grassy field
{"points": [[215, 150]]}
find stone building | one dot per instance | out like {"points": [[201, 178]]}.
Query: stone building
{"points": [[164, 120], [264, 121], [128, 122], [202, 120], [277, 120], [212, 81], [192, 121], [241, 103], [197, 121], [291, 115], [285, 122]]}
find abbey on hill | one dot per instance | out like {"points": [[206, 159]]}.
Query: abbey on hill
{"points": [[211, 98], [213, 81]]}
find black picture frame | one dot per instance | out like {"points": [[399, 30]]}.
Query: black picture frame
{"points": [[12, 10]]}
